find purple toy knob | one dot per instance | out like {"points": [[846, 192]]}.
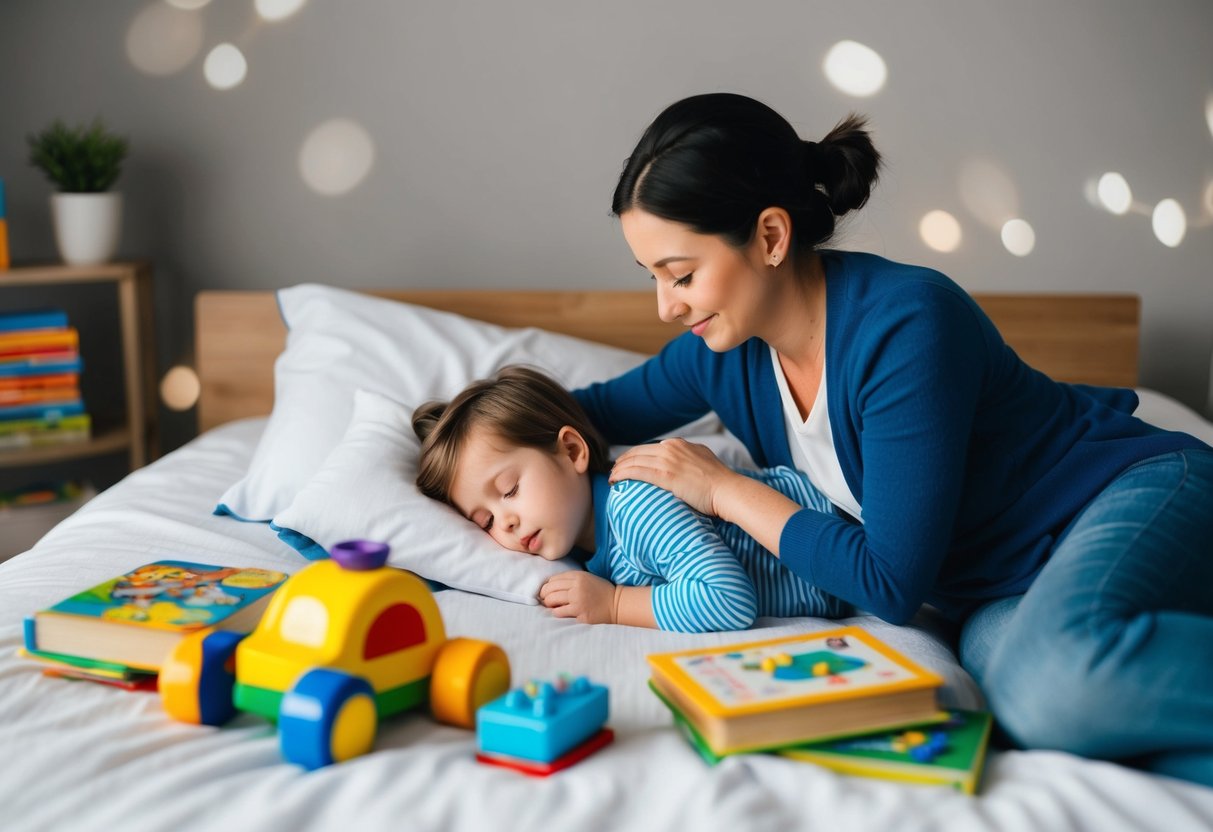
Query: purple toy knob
{"points": [[360, 555]]}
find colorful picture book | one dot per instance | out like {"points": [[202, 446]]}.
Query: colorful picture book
{"points": [[949, 753], [134, 620], [763, 695]]}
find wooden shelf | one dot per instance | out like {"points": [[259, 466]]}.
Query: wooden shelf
{"points": [[139, 434], [107, 442]]}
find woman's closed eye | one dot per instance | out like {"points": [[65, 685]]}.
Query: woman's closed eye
{"points": [[685, 280]]}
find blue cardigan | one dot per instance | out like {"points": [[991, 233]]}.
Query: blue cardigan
{"points": [[968, 463]]}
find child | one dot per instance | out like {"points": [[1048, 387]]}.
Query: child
{"points": [[518, 457]]}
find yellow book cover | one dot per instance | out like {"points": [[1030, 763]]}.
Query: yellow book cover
{"points": [[760, 694]]}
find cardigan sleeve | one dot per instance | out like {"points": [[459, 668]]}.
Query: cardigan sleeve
{"points": [[656, 397], [916, 377], [705, 587]]}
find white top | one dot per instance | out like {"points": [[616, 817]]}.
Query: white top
{"points": [[812, 443]]}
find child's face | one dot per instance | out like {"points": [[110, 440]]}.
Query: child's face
{"points": [[529, 500]]}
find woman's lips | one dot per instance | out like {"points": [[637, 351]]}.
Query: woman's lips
{"points": [[531, 541], [702, 325]]}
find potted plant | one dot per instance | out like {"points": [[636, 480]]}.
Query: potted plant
{"points": [[83, 163]]}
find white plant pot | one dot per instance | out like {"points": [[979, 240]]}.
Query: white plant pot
{"points": [[87, 227]]}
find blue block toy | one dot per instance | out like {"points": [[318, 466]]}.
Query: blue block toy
{"points": [[542, 721]]}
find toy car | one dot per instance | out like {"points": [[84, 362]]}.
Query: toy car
{"points": [[344, 642]]}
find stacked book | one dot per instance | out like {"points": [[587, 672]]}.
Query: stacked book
{"points": [[838, 698], [121, 631], [40, 402]]}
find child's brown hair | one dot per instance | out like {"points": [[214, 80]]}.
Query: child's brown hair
{"points": [[521, 405]]}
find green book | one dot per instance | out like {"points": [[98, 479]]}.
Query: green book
{"points": [[950, 753]]}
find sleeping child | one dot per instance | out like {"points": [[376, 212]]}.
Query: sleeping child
{"points": [[517, 456]]}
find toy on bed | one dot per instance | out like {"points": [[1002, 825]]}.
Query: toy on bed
{"points": [[345, 642], [544, 727]]}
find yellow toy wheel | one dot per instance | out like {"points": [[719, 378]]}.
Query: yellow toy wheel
{"points": [[467, 674], [197, 679]]}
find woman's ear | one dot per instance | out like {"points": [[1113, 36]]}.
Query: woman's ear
{"points": [[774, 235], [571, 445]]}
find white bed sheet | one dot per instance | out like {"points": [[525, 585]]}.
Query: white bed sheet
{"points": [[74, 755]]}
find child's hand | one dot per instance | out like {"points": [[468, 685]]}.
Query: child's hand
{"points": [[580, 595]]}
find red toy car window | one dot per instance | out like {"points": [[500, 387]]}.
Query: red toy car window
{"points": [[397, 628]]}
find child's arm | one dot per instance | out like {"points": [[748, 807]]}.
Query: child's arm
{"points": [[705, 586]]}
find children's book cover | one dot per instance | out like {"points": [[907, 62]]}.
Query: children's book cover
{"points": [[171, 594], [949, 753], [790, 672]]}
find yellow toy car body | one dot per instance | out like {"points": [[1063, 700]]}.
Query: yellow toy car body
{"points": [[344, 642]]}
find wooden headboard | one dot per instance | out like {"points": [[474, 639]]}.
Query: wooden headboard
{"points": [[1076, 338]]}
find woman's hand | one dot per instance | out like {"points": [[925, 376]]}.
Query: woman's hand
{"points": [[580, 595], [690, 472]]}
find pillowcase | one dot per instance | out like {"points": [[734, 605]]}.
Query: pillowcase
{"points": [[339, 341], [366, 488]]}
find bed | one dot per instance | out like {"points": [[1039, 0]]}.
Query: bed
{"points": [[77, 755]]}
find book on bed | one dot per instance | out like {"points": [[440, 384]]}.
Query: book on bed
{"points": [[763, 695], [134, 620]]}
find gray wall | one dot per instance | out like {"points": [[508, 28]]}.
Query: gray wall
{"points": [[500, 127]]}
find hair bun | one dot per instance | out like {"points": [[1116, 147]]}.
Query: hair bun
{"points": [[846, 164]]}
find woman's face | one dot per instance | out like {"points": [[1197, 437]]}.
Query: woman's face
{"points": [[718, 291]]}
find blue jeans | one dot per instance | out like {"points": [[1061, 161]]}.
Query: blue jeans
{"points": [[1109, 654]]}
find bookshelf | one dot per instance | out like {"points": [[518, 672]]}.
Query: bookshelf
{"points": [[138, 433]]}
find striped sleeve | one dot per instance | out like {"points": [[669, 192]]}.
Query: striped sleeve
{"points": [[706, 589]]}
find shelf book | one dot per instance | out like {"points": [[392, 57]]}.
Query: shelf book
{"points": [[40, 400], [764, 695], [131, 623]]}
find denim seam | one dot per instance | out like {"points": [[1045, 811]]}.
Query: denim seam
{"points": [[1091, 613]]}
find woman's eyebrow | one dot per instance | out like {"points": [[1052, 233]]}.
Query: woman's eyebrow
{"points": [[664, 261]]}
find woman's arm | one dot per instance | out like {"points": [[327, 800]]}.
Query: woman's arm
{"points": [[920, 385], [652, 399]]}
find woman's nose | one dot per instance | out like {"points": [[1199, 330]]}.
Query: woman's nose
{"points": [[668, 308]]}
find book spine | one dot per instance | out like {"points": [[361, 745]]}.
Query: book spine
{"points": [[33, 319], [53, 412], [26, 341], [42, 382], [48, 395], [4, 258], [41, 365], [79, 421]]}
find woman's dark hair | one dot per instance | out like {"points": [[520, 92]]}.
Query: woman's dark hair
{"points": [[522, 406], [715, 162]]}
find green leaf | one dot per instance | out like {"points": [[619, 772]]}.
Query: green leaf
{"points": [[82, 159]]}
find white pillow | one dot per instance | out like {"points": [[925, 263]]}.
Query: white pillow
{"points": [[366, 488], [339, 341]]}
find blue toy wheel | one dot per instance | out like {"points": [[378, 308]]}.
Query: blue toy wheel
{"points": [[327, 716]]}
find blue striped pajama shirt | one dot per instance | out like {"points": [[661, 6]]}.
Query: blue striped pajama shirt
{"points": [[706, 574]]}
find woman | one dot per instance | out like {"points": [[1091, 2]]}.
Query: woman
{"points": [[1072, 541]]}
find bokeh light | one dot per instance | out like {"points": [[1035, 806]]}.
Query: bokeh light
{"points": [[225, 67], [854, 68], [1018, 237], [188, 5], [1209, 111], [277, 9], [1114, 193], [940, 230], [988, 191], [162, 40], [180, 388], [336, 156], [1170, 223]]}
